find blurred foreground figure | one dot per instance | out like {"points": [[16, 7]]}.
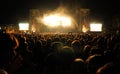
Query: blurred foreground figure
{"points": [[10, 60], [3, 71]]}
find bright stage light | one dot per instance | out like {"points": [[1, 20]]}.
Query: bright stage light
{"points": [[23, 26], [57, 20], [51, 20], [96, 27], [84, 28], [66, 22]]}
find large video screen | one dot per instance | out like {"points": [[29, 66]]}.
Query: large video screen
{"points": [[95, 27], [23, 26]]}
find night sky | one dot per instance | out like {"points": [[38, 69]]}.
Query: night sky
{"points": [[12, 10]]}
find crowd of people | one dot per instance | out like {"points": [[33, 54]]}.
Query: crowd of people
{"points": [[63, 53]]}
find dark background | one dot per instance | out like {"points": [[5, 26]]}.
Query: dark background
{"points": [[12, 10]]}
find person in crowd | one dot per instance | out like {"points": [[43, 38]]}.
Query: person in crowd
{"points": [[10, 60], [79, 66], [109, 68], [2, 71], [78, 47], [59, 62], [86, 51], [93, 62]]}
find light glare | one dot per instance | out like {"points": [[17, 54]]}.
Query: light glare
{"points": [[57, 20], [84, 29]]}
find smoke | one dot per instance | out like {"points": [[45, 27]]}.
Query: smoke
{"points": [[60, 11]]}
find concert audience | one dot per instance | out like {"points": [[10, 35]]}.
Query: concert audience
{"points": [[62, 53]]}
